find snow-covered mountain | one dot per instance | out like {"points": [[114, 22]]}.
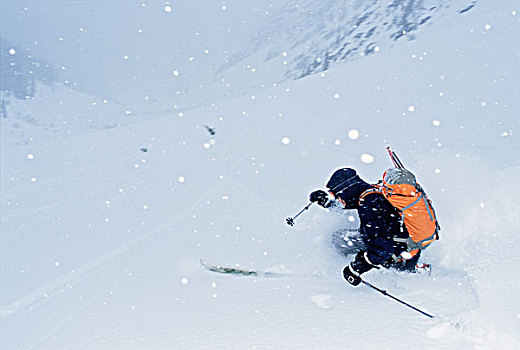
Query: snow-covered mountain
{"points": [[310, 36], [199, 55], [109, 199]]}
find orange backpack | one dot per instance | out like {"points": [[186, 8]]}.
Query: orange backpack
{"points": [[417, 213]]}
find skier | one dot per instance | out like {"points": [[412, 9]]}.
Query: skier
{"points": [[383, 227]]}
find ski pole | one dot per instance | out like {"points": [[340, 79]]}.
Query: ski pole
{"points": [[384, 292], [395, 158], [290, 221]]}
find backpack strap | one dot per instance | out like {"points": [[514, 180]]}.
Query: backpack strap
{"points": [[414, 202], [430, 206], [374, 189]]}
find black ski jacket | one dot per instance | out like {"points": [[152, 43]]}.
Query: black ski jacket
{"points": [[379, 220]]}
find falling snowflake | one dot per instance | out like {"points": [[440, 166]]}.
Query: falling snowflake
{"points": [[353, 134], [367, 158]]}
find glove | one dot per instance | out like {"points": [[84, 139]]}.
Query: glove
{"points": [[361, 264], [321, 197], [351, 276]]}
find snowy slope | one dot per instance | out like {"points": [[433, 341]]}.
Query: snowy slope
{"points": [[101, 240]]}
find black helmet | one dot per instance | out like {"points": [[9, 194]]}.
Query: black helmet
{"points": [[342, 179]]}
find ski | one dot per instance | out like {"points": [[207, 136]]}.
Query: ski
{"points": [[421, 268], [230, 270]]}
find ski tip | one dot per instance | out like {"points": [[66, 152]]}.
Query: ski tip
{"points": [[206, 263]]}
